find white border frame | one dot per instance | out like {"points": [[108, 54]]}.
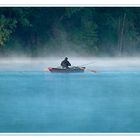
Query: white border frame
{"points": [[72, 3]]}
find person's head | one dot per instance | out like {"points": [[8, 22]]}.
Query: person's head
{"points": [[66, 58]]}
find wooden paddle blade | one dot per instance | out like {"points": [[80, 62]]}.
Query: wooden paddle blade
{"points": [[91, 70]]}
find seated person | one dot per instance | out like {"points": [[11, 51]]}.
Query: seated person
{"points": [[65, 63]]}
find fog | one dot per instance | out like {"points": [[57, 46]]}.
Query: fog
{"points": [[76, 103], [101, 64]]}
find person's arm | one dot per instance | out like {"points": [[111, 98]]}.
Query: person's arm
{"points": [[69, 63]]}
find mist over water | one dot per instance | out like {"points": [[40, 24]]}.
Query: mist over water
{"points": [[34, 100], [101, 64]]}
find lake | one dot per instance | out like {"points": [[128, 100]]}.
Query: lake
{"points": [[32, 100]]}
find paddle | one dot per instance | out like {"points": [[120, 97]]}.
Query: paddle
{"points": [[91, 70]]}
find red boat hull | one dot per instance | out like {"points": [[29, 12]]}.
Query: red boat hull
{"points": [[69, 70]]}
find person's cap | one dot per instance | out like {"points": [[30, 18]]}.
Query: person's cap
{"points": [[66, 57]]}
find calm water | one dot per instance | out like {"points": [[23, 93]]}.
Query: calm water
{"points": [[37, 101]]}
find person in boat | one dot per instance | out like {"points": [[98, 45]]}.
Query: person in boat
{"points": [[65, 63]]}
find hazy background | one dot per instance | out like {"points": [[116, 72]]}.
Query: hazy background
{"points": [[73, 31], [40, 64]]}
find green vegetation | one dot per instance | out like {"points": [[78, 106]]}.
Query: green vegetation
{"points": [[94, 31]]}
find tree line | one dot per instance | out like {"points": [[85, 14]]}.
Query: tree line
{"points": [[94, 31]]}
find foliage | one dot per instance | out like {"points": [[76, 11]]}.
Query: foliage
{"points": [[96, 30], [7, 26]]}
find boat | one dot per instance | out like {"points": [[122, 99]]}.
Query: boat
{"points": [[66, 70]]}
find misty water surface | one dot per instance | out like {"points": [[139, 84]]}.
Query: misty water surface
{"points": [[32, 100]]}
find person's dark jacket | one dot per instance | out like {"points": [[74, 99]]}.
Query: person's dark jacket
{"points": [[65, 63]]}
